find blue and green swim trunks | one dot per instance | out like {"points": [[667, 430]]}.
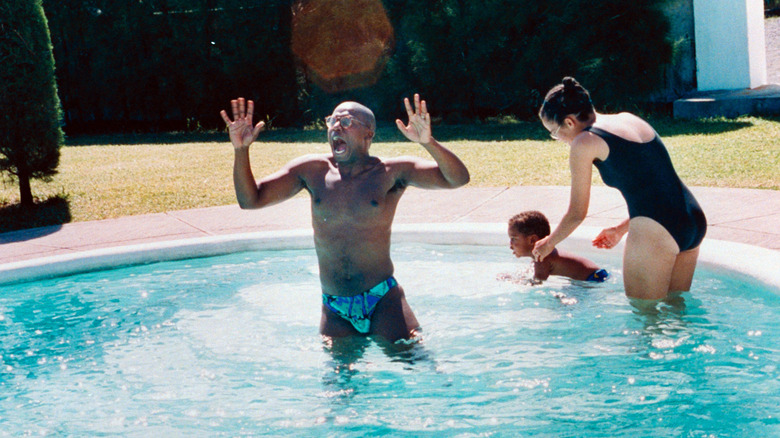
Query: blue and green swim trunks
{"points": [[359, 308], [599, 276]]}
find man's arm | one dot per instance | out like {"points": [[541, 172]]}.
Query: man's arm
{"points": [[274, 188], [447, 170]]}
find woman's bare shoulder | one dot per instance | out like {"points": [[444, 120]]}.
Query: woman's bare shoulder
{"points": [[628, 126]]}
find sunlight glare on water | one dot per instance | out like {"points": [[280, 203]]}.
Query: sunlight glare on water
{"points": [[228, 346]]}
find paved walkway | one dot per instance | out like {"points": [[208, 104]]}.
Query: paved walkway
{"points": [[738, 215]]}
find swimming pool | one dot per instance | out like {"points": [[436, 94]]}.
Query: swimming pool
{"points": [[227, 346]]}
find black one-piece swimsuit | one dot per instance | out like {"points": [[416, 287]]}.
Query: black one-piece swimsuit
{"points": [[645, 176]]}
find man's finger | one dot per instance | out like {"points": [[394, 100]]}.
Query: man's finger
{"points": [[259, 127], [409, 111], [225, 116], [241, 107]]}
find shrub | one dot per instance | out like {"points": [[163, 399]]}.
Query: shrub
{"points": [[30, 134]]}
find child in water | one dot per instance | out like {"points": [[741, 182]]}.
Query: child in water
{"points": [[525, 229]]}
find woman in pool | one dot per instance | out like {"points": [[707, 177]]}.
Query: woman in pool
{"points": [[665, 226]]}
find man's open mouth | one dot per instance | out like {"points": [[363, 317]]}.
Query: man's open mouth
{"points": [[339, 145]]}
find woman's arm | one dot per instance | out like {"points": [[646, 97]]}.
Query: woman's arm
{"points": [[609, 237], [583, 151]]}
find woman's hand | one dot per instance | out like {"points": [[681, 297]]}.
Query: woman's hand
{"points": [[542, 249], [608, 237], [242, 134]]}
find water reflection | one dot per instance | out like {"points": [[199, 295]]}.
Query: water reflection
{"points": [[345, 355], [666, 327], [348, 359]]}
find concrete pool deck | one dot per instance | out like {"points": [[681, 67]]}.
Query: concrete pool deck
{"points": [[737, 215]]}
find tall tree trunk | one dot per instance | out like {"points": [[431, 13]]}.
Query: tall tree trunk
{"points": [[25, 191]]}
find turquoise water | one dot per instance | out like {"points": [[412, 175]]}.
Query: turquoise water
{"points": [[228, 346]]}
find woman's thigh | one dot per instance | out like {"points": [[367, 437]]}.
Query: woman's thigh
{"points": [[649, 259], [682, 274]]}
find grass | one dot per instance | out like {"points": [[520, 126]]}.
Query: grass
{"points": [[104, 177]]}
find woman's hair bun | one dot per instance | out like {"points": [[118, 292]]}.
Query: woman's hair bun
{"points": [[568, 97], [569, 83]]}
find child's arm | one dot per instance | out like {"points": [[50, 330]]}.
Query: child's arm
{"points": [[543, 269]]}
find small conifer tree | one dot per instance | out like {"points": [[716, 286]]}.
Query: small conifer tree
{"points": [[30, 133]]}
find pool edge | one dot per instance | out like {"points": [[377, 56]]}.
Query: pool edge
{"points": [[757, 262]]}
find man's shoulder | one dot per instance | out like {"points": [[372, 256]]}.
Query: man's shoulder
{"points": [[310, 159], [308, 166], [400, 161], [315, 157]]}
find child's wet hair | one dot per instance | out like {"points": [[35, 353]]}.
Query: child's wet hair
{"points": [[530, 222], [564, 99]]}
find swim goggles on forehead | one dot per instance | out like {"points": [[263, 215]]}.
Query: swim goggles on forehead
{"points": [[344, 121]]}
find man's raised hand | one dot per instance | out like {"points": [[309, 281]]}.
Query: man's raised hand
{"points": [[419, 127], [242, 134]]}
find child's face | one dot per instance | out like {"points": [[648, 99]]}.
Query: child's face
{"points": [[521, 244]]}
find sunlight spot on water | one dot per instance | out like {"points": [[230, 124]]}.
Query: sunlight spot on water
{"points": [[705, 349]]}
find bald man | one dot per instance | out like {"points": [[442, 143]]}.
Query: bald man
{"points": [[354, 196]]}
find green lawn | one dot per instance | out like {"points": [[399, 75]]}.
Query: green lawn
{"points": [[110, 176]]}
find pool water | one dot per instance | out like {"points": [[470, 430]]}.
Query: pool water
{"points": [[228, 346]]}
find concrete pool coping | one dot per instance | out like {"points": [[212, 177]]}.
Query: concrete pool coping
{"points": [[748, 216], [733, 256], [744, 225]]}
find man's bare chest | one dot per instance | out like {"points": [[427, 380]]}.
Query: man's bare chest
{"points": [[355, 199]]}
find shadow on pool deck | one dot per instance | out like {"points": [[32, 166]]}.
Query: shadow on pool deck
{"points": [[738, 215]]}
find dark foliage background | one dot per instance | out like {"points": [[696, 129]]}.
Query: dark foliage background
{"points": [[165, 65]]}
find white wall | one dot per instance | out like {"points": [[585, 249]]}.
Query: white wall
{"points": [[730, 52]]}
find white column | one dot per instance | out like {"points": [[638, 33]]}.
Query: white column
{"points": [[730, 46]]}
